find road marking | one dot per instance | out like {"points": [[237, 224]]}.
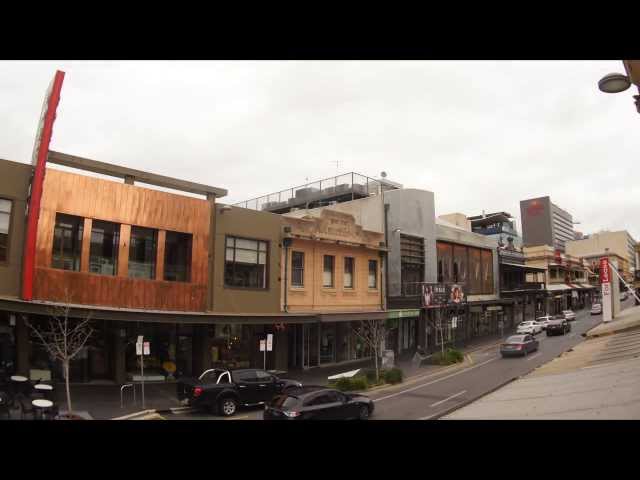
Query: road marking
{"points": [[236, 418], [435, 381], [448, 398], [534, 356]]}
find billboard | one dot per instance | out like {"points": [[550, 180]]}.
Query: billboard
{"points": [[604, 271], [435, 295], [39, 160]]}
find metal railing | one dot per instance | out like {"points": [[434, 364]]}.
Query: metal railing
{"points": [[351, 183], [126, 385]]}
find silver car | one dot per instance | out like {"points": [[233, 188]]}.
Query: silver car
{"points": [[519, 345]]}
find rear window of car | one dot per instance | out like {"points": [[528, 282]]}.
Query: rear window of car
{"points": [[284, 402], [515, 339]]}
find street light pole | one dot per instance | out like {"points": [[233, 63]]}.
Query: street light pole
{"points": [[618, 82]]}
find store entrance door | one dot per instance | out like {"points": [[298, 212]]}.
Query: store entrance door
{"points": [[309, 345]]}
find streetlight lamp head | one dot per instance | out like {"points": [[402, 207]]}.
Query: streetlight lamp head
{"points": [[614, 83]]}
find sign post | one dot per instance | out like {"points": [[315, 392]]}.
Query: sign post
{"points": [[605, 282], [142, 349], [263, 348]]}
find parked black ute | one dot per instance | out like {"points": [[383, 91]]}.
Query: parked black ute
{"points": [[318, 403], [223, 391]]}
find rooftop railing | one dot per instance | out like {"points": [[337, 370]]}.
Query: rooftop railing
{"points": [[348, 186]]}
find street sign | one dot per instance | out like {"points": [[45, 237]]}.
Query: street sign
{"points": [[263, 345], [606, 303], [454, 322], [269, 342], [140, 339], [604, 270], [147, 348], [138, 348]]}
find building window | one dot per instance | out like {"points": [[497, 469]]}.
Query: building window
{"points": [[487, 271], [411, 264], [327, 275], [142, 252], [103, 252], [67, 242], [348, 272], [5, 218], [245, 263], [177, 257], [475, 278], [297, 269], [373, 274]]}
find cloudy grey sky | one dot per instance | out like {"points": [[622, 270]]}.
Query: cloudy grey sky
{"points": [[481, 135]]}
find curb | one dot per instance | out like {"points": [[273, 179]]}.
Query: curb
{"points": [[136, 414], [469, 402]]}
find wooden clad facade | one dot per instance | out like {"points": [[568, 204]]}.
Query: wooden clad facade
{"points": [[128, 205]]}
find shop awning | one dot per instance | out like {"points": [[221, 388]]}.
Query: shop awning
{"points": [[557, 287], [403, 313], [524, 267], [351, 316]]}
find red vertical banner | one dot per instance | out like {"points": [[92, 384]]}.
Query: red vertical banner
{"points": [[39, 160], [604, 270]]}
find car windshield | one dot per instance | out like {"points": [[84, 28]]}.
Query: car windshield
{"points": [[515, 339], [284, 402], [526, 324]]}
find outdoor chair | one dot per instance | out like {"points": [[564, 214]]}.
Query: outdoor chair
{"points": [[4, 404]]}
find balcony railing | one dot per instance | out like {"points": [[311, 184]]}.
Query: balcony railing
{"points": [[344, 187], [511, 286]]}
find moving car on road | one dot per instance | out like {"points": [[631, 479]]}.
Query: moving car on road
{"points": [[543, 321], [519, 345], [529, 327], [558, 326], [568, 315], [223, 391], [596, 309], [318, 403]]}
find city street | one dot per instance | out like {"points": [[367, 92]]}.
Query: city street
{"points": [[434, 395]]}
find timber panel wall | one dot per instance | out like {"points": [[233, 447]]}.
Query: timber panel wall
{"points": [[95, 198]]}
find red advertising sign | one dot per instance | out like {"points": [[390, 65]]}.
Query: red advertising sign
{"points": [[604, 270], [40, 152]]}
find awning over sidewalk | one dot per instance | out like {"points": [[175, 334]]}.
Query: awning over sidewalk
{"points": [[558, 287], [524, 267]]}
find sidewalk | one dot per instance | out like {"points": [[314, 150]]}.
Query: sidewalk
{"points": [[627, 319], [102, 401]]}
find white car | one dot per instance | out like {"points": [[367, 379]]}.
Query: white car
{"points": [[596, 309], [530, 327], [568, 315], [543, 321]]}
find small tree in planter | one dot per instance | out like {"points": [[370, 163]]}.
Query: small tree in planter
{"points": [[63, 338], [372, 333]]}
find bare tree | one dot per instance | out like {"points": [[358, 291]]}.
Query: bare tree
{"points": [[372, 333], [63, 338]]}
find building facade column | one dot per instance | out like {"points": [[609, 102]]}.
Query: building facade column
{"points": [[119, 364], [22, 346]]}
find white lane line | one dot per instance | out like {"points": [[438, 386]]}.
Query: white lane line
{"points": [[434, 381], [534, 356], [448, 398]]}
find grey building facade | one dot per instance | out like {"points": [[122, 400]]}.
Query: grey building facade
{"points": [[545, 223]]}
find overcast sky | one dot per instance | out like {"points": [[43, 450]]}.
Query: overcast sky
{"points": [[481, 135]]}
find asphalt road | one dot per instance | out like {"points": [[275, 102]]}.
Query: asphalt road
{"points": [[435, 395]]}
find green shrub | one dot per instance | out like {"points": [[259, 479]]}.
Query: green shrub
{"points": [[451, 355], [393, 376], [350, 384]]}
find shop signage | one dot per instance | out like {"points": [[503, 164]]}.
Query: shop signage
{"points": [[494, 308], [263, 345], [394, 314], [604, 270], [436, 295], [269, 342], [147, 348], [454, 322]]}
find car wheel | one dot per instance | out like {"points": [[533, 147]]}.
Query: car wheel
{"points": [[227, 406], [364, 413]]}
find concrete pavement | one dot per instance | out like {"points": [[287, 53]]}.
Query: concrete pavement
{"points": [[596, 379]]}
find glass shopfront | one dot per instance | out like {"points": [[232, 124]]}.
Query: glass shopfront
{"points": [[231, 346]]}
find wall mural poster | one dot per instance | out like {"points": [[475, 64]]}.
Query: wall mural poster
{"points": [[438, 294]]}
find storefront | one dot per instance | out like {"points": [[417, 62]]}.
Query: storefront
{"points": [[403, 332], [7, 344]]}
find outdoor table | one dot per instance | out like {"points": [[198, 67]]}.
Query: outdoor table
{"points": [[20, 383], [19, 378], [43, 390], [43, 387], [42, 405]]}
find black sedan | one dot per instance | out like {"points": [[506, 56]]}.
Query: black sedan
{"points": [[519, 345], [318, 403], [558, 326]]}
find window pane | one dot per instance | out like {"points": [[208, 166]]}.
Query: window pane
{"points": [[262, 258], [67, 242], [348, 272], [246, 256], [177, 257], [4, 223], [4, 247], [5, 205], [103, 251], [475, 282], [487, 271], [247, 244], [263, 246], [297, 267], [327, 277], [373, 274], [229, 255], [142, 253], [230, 241]]}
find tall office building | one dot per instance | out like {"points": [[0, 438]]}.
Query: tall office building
{"points": [[544, 223]]}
